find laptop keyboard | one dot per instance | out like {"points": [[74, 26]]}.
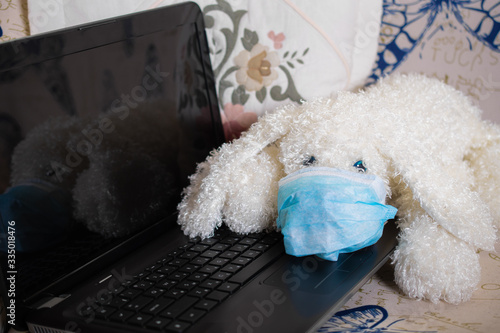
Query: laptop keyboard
{"points": [[182, 287]]}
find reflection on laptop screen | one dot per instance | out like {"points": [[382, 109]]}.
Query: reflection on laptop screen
{"points": [[99, 140]]}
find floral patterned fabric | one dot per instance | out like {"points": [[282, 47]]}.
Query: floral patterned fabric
{"points": [[457, 41], [13, 19]]}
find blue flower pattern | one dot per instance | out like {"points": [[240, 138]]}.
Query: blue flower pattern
{"points": [[480, 19], [364, 319]]}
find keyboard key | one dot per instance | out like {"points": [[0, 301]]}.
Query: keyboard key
{"points": [[228, 287], [139, 319], [143, 285], [210, 284], [155, 292], [130, 293], [120, 315], [187, 285], [229, 254], [210, 254], [155, 277], [188, 255], [199, 248], [241, 261], [230, 240], [118, 302], [199, 292], [175, 309], [117, 290], [158, 323], [260, 247], [271, 239], [219, 262], [188, 268], [219, 247], [166, 284], [239, 247], [104, 312], [198, 277], [178, 262], [209, 241], [251, 254], [177, 276], [218, 296], [166, 269], [248, 241], [221, 276], [200, 261], [128, 283], [208, 269], [164, 261], [153, 267], [138, 303], [257, 235], [175, 253], [175, 293], [192, 315], [178, 326], [205, 304], [185, 246], [231, 268], [157, 306], [141, 275]]}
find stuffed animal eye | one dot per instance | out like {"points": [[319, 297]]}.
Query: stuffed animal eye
{"points": [[50, 173], [309, 160], [359, 165]]}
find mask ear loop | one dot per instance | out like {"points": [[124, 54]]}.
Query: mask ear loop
{"points": [[326, 37]]}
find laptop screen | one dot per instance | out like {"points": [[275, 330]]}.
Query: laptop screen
{"points": [[100, 127]]}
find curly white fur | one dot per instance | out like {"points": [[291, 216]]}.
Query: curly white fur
{"points": [[423, 138]]}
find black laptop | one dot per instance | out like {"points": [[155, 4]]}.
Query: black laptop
{"points": [[154, 279]]}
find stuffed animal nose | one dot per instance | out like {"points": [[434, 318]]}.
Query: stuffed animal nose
{"points": [[309, 160], [359, 166]]}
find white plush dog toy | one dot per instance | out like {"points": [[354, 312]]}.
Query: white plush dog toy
{"points": [[423, 138]]}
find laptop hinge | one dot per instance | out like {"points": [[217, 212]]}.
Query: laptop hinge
{"points": [[52, 301], [44, 329]]}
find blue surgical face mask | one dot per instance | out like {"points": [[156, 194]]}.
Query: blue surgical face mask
{"points": [[325, 211]]}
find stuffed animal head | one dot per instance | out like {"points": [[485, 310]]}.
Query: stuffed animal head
{"points": [[326, 135], [45, 155]]}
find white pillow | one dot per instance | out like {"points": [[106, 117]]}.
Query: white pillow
{"points": [[264, 53]]}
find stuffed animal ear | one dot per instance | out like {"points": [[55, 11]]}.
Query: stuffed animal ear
{"points": [[445, 193], [482, 159], [218, 179]]}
